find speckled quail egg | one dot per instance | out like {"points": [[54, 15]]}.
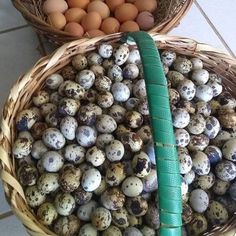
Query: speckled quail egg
{"points": [[101, 218], [53, 138], [26, 134], [203, 108], [94, 58], [149, 149], [34, 196], [132, 103], [108, 62], [184, 190], [86, 136], [105, 50], [40, 97], [204, 182], [112, 230], [216, 213], [48, 182], [198, 226], [131, 141], [81, 196], [48, 108], [95, 108], [226, 100], [141, 164], [204, 93], [95, 156], [53, 81], [69, 179], [168, 57], [118, 113], [91, 95], [133, 119], [115, 174], [21, 148], [139, 89], [79, 62], [121, 54], [105, 99], [26, 119], [120, 218], [113, 199], [197, 63], [132, 186], [105, 124], [174, 96], [120, 91], [221, 138], [186, 89], [132, 231], [84, 211], [220, 187], [152, 216], [130, 71], [143, 107], [216, 87], [53, 119], [55, 97], [135, 220], [201, 163], [88, 230], [52, 161], [199, 200], [189, 177], [68, 126], [101, 188], [121, 129], [182, 137], [136, 206], [175, 78], [68, 106], [115, 150], [103, 140], [198, 142], [225, 170], [187, 213], [46, 213], [229, 150], [150, 183], [212, 127], [145, 133], [185, 163], [200, 76], [181, 118], [85, 78], [27, 174], [228, 203], [86, 115], [74, 153], [67, 225], [134, 57], [197, 124], [187, 105], [98, 70], [182, 65], [103, 83], [64, 204], [115, 73], [91, 179]]}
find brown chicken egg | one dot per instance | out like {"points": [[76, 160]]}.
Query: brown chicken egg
{"points": [[75, 14], [50, 6], [94, 33], [110, 25], [99, 7], [125, 12], [75, 29], [148, 5], [145, 20], [57, 20], [78, 3], [113, 4], [129, 26], [91, 21]]}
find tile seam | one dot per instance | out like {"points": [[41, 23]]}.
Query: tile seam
{"points": [[13, 29]]}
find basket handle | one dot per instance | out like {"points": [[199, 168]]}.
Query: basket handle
{"points": [[167, 165]]}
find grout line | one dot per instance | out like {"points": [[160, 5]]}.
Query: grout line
{"points": [[13, 29], [214, 29], [6, 214]]}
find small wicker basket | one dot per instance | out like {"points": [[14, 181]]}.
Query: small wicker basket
{"points": [[167, 16], [21, 93]]}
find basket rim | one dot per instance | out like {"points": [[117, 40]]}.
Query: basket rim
{"points": [[212, 57], [44, 28]]}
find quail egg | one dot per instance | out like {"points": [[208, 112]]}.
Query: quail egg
{"points": [[91, 179], [21, 148], [48, 182], [185, 163], [212, 127], [103, 140], [86, 136], [145, 133], [120, 91], [121, 54], [225, 170], [175, 78], [130, 71], [200, 76], [34, 196], [81, 196], [189, 177], [115, 73], [103, 83], [105, 50], [203, 108], [133, 119], [53, 81], [214, 154], [132, 103], [168, 57], [182, 65], [198, 142], [74, 153], [204, 93], [132, 186], [79, 62], [115, 174], [85, 78], [139, 89], [186, 89], [229, 150], [85, 211], [201, 163], [216, 87], [26, 119], [101, 218], [120, 218], [115, 150], [199, 200], [181, 118], [182, 137], [112, 230], [141, 164], [27, 175], [131, 141], [198, 226], [220, 187], [134, 57], [136, 206], [147, 231], [68, 106], [152, 216], [53, 138], [46, 213], [40, 97], [68, 126], [52, 161], [197, 124], [197, 63], [132, 231], [204, 182]]}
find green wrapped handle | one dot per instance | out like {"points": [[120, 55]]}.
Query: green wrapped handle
{"points": [[167, 164]]}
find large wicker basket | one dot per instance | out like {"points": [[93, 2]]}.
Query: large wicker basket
{"points": [[21, 93], [168, 15]]}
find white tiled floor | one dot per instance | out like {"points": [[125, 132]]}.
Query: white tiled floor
{"points": [[209, 22]]}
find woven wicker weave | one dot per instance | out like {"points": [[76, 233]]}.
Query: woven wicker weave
{"points": [[167, 16], [21, 93]]}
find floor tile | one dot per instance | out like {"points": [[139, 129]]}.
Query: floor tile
{"points": [[9, 16], [195, 26], [11, 226], [18, 54], [222, 14], [4, 207]]}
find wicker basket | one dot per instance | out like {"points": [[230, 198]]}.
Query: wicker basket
{"points": [[168, 15], [23, 89]]}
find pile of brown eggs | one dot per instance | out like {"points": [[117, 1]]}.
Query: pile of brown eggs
{"points": [[85, 153], [95, 18]]}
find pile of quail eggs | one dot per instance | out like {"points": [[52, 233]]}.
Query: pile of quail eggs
{"points": [[85, 153]]}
